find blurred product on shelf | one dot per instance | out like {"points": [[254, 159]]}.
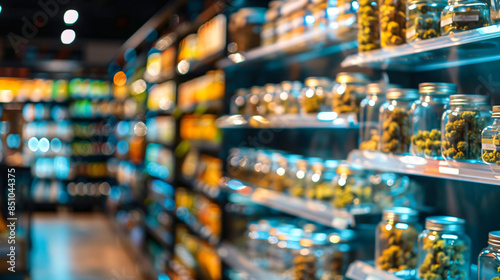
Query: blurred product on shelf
{"points": [[347, 19], [490, 141], [199, 127], [341, 185], [444, 249], [426, 113], [161, 130], [348, 92], [316, 96], [202, 89], [161, 97], [16, 89], [159, 162], [395, 121], [92, 89], [489, 259], [368, 26], [396, 242], [210, 39], [244, 29], [464, 15], [424, 19], [462, 124], [41, 112]]}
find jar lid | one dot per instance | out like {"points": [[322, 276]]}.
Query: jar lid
{"points": [[445, 223], [348, 78], [468, 99], [241, 92], [255, 90], [402, 93], [378, 88], [437, 88], [270, 87], [494, 238], [318, 82], [400, 214], [288, 85]]}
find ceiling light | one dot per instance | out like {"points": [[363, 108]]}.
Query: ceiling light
{"points": [[70, 17]]}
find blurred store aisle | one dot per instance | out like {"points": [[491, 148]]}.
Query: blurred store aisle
{"points": [[78, 247]]}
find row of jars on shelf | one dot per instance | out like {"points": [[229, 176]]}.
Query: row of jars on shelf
{"points": [[295, 250], [339, 184], [318, 94], [440, 251], [434, 122]]}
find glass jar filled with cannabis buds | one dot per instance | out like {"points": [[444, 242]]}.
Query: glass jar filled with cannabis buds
{"points": [[490, 141], [489, 258], [426, 114]]}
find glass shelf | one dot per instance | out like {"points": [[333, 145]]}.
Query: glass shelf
{"points": [[311, 210], [292, 47], [468, 47], [412, 165], [237, 261], [287, 121]]}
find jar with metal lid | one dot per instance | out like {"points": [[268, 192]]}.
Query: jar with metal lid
{"points": [[489, 258], [266, 104], [395, 124], [369, 116], [490, 141], [396, 242], [461, 15], [319, 180], [298, 171], [444, 249], [368, 26], [316, 96], [305, 260], [426, 114], [424, 19], [392, 17], [351, 186], [286, 100], [462, 124], [252, 101], [262, 169], [279, 166], [238, 102], [348, 92], [244, 29], [339, 254]]}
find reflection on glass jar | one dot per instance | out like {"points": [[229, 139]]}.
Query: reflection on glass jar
{"points": [[489, 258], [461, 127], [348, 92], [461, 15], [396, 242], [395, 123], [427, 113], [316, 96], [490, 141], [444, 249], [424, 19]]}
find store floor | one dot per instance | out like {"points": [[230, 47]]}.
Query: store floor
{"points": [[78, 247]]}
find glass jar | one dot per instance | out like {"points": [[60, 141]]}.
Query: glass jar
{"points": [[369, 116], [392, 17], [234, 164], [396, 242], [347, 19], [252, 101], [257, 242], [339, 254], [424, 19], [490, 141], [298, 176], [266, 104], [351, 187], [495, 11], [319, 13], [319, 180], [238, 102], [286, 100], [368, 26], [461, 15], [394, 121], [489, 258], [268, 34], [316, 96], [279, 166], [262, 169], [444, 249], [305, 260], [282, 261], [427, 113], [348, 92], [462, 124]]}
